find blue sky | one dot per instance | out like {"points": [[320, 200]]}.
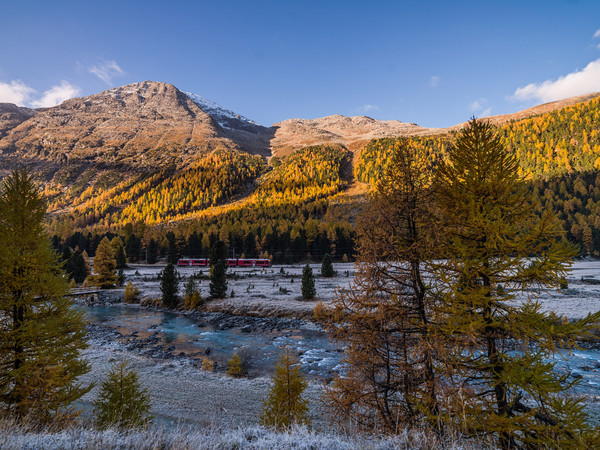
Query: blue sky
{"points": [[434, 63]]}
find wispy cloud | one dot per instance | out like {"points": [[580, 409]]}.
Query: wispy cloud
{"points": [[434, 81], [56, 94], [364, 109], [480, 107], [106, 71], [575, 83], [597, 33], [15, 92]]}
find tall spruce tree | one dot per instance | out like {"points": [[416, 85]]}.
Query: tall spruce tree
{"points": [[42, 335], [169, 286], [171, 248], [151, 252], [501, 350], [308, 283], [122, 402], [285, 405], [218, 270]]}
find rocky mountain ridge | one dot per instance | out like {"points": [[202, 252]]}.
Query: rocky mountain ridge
{"points": [[144, 126]]}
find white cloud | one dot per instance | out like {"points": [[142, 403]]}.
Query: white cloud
{"points": [[575, 83], [364, 109], [15, 92], [597, 33], [56, 94], [434, 81], [480, 107], [106, 71]]}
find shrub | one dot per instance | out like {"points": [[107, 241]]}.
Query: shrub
{"points": [[132, 293], [234, 367], [193, 301], [207, 364], [248, 358]]}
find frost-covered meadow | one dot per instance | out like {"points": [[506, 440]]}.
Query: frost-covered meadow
{"points": [[198, 409]]}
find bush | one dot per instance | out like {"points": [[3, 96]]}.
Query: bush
{"points": [[320, 312], [248, 358], [193, 301], [132, 293], [207, 364], [234, 367]]}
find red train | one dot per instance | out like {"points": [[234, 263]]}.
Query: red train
{"points": [[203, 262], [193, 262]]}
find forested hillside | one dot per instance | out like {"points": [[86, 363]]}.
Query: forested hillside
{"points": [[283, 216], [298, 206], [559, 152]]}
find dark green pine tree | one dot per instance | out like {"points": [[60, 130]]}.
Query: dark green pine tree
{"points": [[327, 267], [218, 280], [121, 258], [122, 402], [169, 286], [76, 267], [41, 334], [308, 283], [172, 248], [151, 252], [218, 252], [218, 270]]}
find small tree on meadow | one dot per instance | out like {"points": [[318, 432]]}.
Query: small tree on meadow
{"points": [[285, 405], [169, 286], [327, 267], [122, 402], [308, 283]]}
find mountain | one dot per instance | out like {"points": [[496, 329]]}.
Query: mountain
{"points": [[352, 133], [137, 127], [12, 115]]}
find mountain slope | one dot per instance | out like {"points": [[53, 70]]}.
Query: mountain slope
{"points": [[13, 115]]}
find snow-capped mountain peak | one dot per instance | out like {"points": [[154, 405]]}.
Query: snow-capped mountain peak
{"points": [[225, 117]]}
